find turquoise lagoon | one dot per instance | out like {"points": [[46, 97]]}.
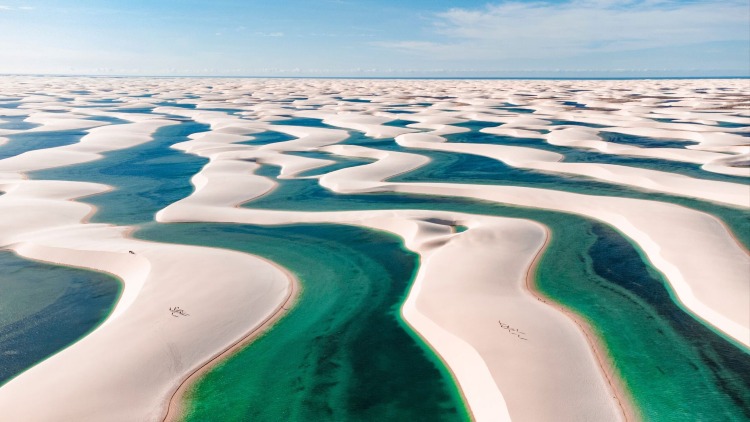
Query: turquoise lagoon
{"points": [[317, 363]]}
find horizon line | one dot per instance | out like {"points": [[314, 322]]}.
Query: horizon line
{"points": [[515, 77]]}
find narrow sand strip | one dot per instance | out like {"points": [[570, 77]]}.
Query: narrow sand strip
{"points": [[522, 157], [175, 405]]}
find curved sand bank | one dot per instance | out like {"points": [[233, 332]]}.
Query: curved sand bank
{"points": [[456, 311], [534, 159], [129, 366], [174, 407], [687, 258]]}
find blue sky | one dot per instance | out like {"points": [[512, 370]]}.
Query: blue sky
{"points": [[376, 38]]}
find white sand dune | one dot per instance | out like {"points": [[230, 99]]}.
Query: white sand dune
{"points": [[51, 122], [722, 305], [530, 158], [514, 356], [687, 258], [464, 290], [90, 147], [129, 366]]}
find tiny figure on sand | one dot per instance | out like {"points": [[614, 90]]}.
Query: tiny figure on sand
{"points": [[176, 312]]}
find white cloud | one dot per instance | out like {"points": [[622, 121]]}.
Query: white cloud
{"points": [[270, 34], [2, 7], [514, 29]]}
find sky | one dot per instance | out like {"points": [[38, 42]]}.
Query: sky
{"points": [[377, 38]]}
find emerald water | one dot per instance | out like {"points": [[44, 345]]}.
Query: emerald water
{"points": [[343, 353], [676, 355], [664, 354], [365, 292]]}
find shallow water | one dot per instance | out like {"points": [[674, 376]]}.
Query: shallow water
{"points": [[578, 155], [630, 306], [374, 283], [45, 308], [147, 178], [342, 352], [318, 361], [22, 142]]}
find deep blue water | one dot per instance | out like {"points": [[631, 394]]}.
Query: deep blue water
{"points": [[304, 121], [267, 137], [477, 125]]}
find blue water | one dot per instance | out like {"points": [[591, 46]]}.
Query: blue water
{"points": [[23, 142], [477, 125], [399, 123], [148, 177], [175, 104], [45, 308], [16, 123], [516, 109], [732, 125], [267, 137], [644, 142], [577, 155], [304, 121], [609, 282]]}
